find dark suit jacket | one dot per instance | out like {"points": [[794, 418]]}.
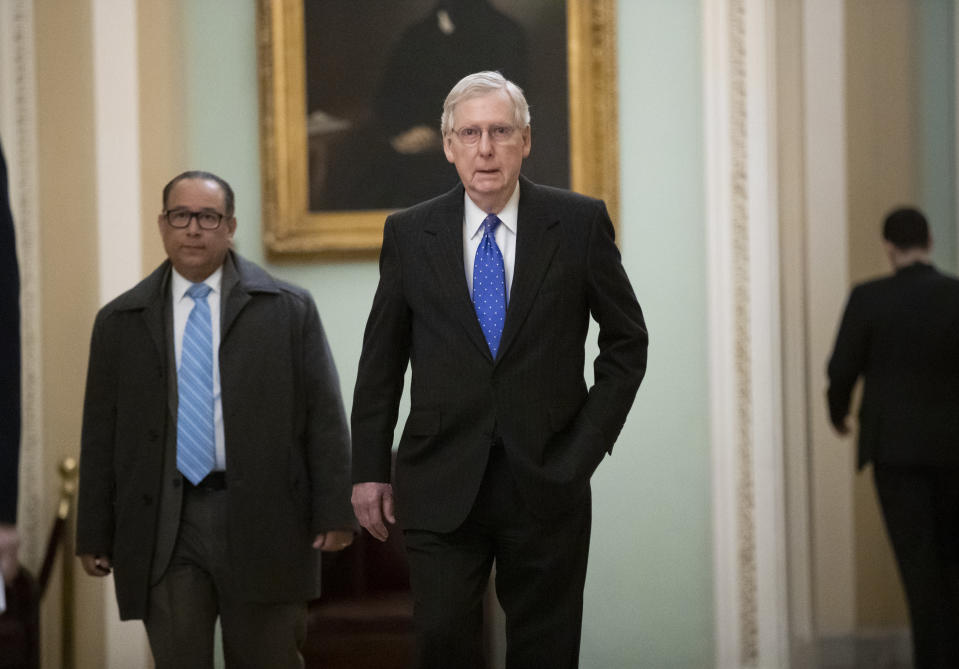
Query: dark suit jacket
{"points": [[901, 334], [9, 357], [533, 396], [286, 437]]}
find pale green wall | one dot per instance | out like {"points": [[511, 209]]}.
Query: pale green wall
{"points": [[937, 125], [649, 593]]}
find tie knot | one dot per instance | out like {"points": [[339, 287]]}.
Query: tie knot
{"points": [[490, 223], [198, 291]]}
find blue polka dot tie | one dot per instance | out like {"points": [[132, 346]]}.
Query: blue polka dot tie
{"points": [[195, 441], [489, 285]]}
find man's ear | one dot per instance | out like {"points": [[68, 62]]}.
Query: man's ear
{"points": [[448, 148]]}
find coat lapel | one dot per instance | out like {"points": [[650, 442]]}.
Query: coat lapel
{"points": [[537, 238], [444, 231], [151, 297]]}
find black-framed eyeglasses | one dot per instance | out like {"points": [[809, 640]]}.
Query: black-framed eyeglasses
{"points": [[180, 218]]}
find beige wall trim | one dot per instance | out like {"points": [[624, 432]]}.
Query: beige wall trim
{"points": [[116, 119], [745, 368], [18, 130], [826, 206], [793, 262]]}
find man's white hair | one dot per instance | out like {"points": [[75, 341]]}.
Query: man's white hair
{"points": [[479, 84]]}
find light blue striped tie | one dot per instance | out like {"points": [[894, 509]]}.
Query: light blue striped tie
{"points": [[489, 285], [195, 444]]}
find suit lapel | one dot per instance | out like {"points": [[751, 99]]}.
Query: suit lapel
{"points": [[444, 230], [153, 316], [537, 238], [152, 297]]}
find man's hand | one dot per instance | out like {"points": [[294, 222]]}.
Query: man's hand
{"points": [[96, 565], [334, 540], [372, 504], [9, 544]]}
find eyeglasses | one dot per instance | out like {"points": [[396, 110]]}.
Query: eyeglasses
{"points": [[180, 218], [498, 133]]}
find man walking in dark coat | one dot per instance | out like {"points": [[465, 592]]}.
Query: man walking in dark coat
{"points": [[901, 335], [215, 451], [487, 292]]}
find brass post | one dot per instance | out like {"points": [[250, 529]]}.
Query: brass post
{"points": [[68, 487]]}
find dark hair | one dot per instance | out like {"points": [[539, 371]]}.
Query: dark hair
{"points": [[906, 228], [209, 176]]}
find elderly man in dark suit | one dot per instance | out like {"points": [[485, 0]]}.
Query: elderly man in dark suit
{"points": [[215, 452], [9, 383], [487, 291], [901, 334]]}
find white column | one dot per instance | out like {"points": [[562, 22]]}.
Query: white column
{"points": [[116, 119], [19, 133], [751, 602], [116, 122]]}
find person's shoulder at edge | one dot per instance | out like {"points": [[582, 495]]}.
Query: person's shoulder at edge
{"points": [[141, 293], [919, 270], [564, 204], [420, 209], [256, 278]]}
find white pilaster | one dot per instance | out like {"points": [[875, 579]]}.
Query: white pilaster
{"points": [[751, 604], [116, 120], [19, 133], [116, 123]]}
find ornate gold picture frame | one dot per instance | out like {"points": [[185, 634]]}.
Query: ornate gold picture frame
{"points": [[291, 228]]}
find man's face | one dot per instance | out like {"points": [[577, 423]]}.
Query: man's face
{"points": [[196, 253], [489, 169]]}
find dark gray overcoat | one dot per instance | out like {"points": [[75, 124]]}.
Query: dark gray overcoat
{"points": [[287, 442]]}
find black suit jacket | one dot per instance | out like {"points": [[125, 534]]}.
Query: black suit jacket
{"points": [[9, 356], [533, 395], [901, 334], [287, 444]]}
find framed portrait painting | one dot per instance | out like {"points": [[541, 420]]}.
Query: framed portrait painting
{"points": [[351, 93]]}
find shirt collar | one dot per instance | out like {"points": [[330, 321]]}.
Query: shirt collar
{"points": [[473, 216], [180, 284]]}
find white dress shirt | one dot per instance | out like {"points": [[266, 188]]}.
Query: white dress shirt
{"points": [[182, 306], [505, 234]]}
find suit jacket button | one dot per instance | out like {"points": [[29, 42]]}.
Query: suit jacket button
{"points": [[153, 435], [147, 500]]}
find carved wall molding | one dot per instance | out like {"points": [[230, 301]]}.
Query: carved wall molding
{"points": [[739, 195], [744, 346], [18, 130]]}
